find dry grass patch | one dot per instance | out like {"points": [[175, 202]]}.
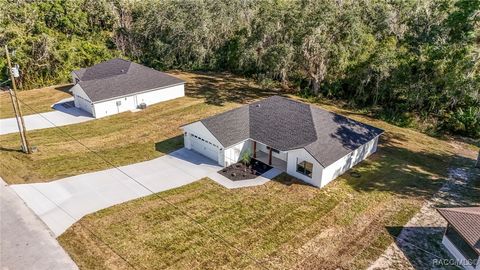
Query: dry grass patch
{"points": [[38, 100]]}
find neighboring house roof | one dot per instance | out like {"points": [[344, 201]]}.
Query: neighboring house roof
{"points": [[466, 221], [286, 124], [118, 77]]}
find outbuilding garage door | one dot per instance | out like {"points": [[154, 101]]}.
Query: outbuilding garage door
{"points": [[83, 104], [204, 147]]}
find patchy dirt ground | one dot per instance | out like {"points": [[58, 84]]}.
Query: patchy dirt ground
{"points": [[419, 244]]}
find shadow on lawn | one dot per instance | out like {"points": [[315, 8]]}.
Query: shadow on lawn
{"points": [[64, 88], [169, 145], [3, 149], [225, 87], [422, 246], [289, 180], [402, 171]]}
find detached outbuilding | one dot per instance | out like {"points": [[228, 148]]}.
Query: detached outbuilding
{"points": [[302, 140], [119, 85], [462, 236]]}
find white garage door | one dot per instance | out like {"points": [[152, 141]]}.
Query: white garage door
{"points": [[204, 147]]}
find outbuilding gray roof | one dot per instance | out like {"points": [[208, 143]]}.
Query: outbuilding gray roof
{"points": [[286, 124], [118, 77], [466, 221]]}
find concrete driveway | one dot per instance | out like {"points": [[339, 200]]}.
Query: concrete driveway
{"points": [[64, 114], [26, 243], [61, 203]]}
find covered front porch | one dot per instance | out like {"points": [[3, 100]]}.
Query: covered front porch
{"points": [[269, 156]]}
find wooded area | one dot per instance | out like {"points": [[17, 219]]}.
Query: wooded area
{"points": [[406, 61]]}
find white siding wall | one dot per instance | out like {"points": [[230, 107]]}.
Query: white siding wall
{"points": [[303, 155], [200, 130], [457, 254], [109, 107], [340, 166], [160, 95], [81, 100], [235, 152]]}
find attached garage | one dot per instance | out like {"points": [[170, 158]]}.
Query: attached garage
{"points": [[204, 147], [199, 139], [119, 85]]}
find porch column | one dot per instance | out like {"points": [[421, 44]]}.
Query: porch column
{"points": [[270, 156], [254, 149]]}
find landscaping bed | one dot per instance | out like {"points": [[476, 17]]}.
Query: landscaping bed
{"points": [[240, 171]]}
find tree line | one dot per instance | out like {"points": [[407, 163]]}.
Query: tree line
{"points": [[408, 61]]}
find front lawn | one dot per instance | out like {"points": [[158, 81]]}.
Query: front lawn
{"points": [[38, 100], [124, 138], [280, 225]]}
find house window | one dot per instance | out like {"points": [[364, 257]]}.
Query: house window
{"points": [[273, 150], [305, 168], [458, 241]]}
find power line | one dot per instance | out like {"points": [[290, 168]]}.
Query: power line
{"points": [[184, 213]]}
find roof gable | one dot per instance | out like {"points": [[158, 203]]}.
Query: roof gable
{"points": [[229, 127]]}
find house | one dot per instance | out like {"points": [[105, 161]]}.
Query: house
{"points": [[119, 85], [307, 142], [462, 236]]}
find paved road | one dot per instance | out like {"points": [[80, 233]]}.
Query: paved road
{"points": [[26, 243], [61, 116]]}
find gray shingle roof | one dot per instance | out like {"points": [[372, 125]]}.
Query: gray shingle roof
{"points": [[466, 220], [285, 124], [118, 77]]}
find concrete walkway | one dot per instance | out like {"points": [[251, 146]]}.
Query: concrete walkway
{"points": [[61, 203], [26, 243], [63, 115], [260, 180]]}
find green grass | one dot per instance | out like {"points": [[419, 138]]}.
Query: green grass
{"points": [[38, 100]]}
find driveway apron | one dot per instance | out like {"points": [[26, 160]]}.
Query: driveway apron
{"points": [[61, 203]]}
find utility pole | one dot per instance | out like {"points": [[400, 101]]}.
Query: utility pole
{"points": [[478, 160], [16, 107]]}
